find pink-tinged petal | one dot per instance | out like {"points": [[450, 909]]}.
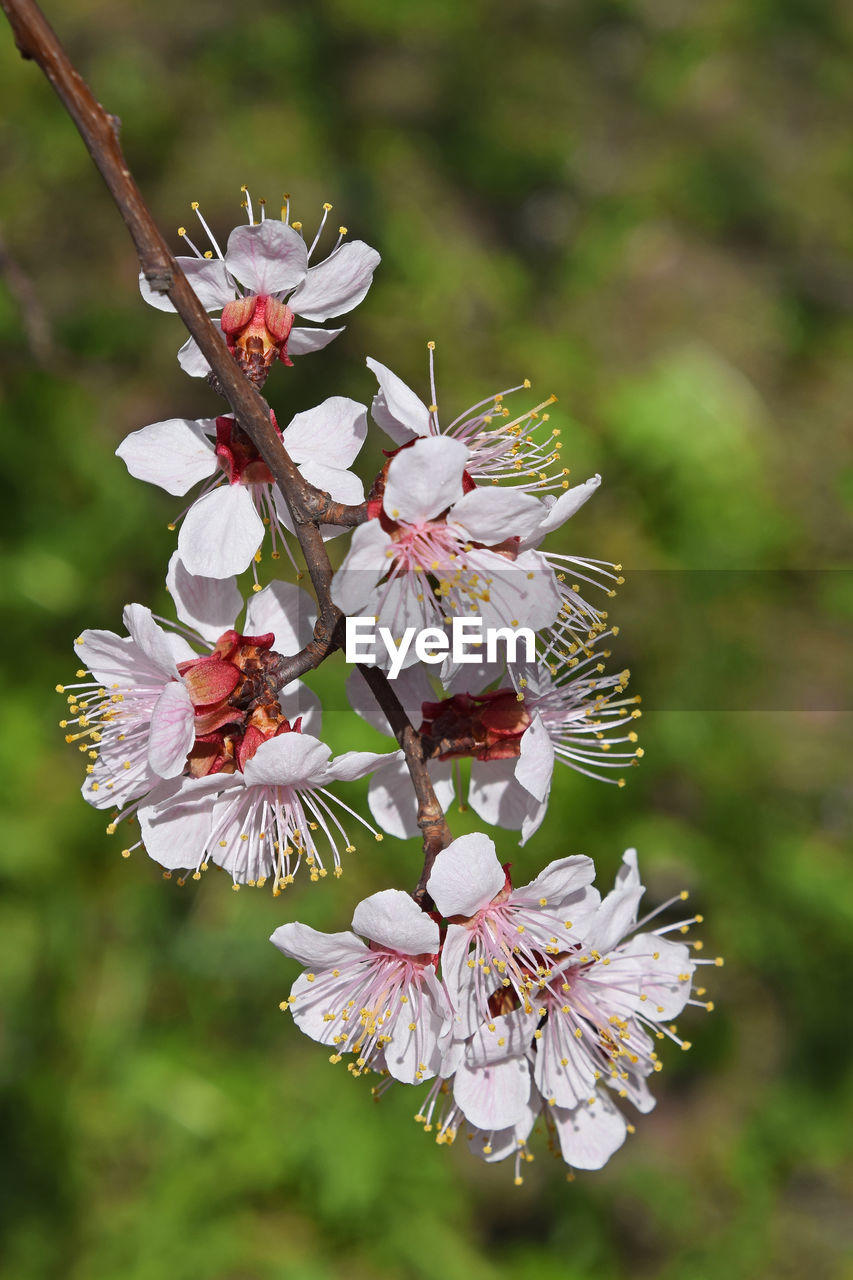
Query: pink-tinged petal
{"points": [[364, 564], [172, 731], [496, 797], [331, 433], [315, 996], [337, 284], [618, 911], [509, 1036], [392, 800], [524, 591], [292, 759], [285, 610], [175, 454], [589, 1134], [425, 479], [221, 533], [269, 258], [494, 1096], [489, 515], [661, 977], [466, 876], [209, 281], [208, 605], [536, 761], [296, 700], [355, 764], [394, 920], [303, 341], [175, 820], [190, 356], [566, 505], [317, 950], [396, 408], [151, 639]]}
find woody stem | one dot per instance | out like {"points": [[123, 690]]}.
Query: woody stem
{"points": [[308, 507]]}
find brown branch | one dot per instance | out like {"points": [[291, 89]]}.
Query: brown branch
{"points": [[308, 507]]}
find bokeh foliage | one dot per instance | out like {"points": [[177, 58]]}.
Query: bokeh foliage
{"points": [[644, 206]]}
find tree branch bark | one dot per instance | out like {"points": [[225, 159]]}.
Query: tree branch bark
{"points": [[308, 506]]}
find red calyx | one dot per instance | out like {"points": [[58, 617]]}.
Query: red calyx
{"points": [[485, 726], [256, 330], [237, 455]]}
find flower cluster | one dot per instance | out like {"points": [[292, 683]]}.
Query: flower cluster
{"points": [[512, 1005], [544, 1001]]}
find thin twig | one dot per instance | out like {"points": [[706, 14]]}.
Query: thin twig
{"points": [[308, 507]]}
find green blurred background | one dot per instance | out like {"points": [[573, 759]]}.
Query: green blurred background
{"points": [[645, 207]]}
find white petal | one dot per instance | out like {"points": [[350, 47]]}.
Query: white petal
{"points": [[176, 818], [589, 1134], [466, 876], [566, 505], [208, 605], [208, 279], [296, 700], [364, 564], [301, 342], [287, 611], [494, 1096], [392, 800], [396, 408], [667, 995], [151, 638], [336, 285], [415, 1051], [175, 454], [268, 258], [113, 659], [190, 356], [221, 533], [496, 797], [411, 687], [172, 730], [355, 764], [536, 761], [533, 820], [564, 881], [314, 949], [395, 921], [491, 515], [292, 759], [331, 433], [618, 911], [425, 479], [509, 1036], [341, 486]]}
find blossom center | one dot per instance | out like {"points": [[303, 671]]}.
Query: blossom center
{"points": [[487, 726], [256, 329]]}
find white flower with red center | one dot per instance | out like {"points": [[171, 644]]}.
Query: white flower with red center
{"points": [[262, 282], [513, 736], [436, 546], [259, 812], [500, 938], [379, 999], [223, 529], [523, 450], [155, 706]]}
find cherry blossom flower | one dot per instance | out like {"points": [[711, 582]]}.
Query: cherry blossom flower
{"points": [[256, 813], [262, 282], [154, 706], [224, 528], [380, 999], [523, 450], [498, 936], [436, 546]]}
